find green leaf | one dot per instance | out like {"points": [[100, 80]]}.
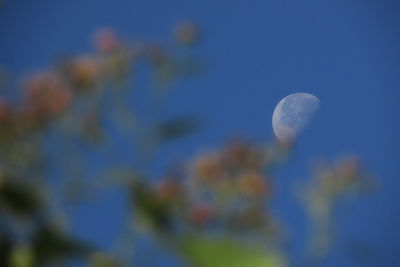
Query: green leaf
{"points": [[222, 252], [176, 128], [150, 210]]}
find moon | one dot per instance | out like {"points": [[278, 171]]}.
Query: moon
{"points": [[292, 114]]}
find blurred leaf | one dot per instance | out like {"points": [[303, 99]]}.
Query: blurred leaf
{"points": [[100, 259], [19, 198], [5, 251], [222, 252], [173, 129], [52, 244], [150, 209], [22, 257]]}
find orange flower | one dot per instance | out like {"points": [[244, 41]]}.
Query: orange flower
{"points": [[47, 94], [187, 33], [240, 154], [208, 168], [236, 152], [85, 71], [349, 168], [252, 184], [106, 40], [168, 190]]}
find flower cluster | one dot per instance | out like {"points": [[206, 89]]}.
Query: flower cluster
{"points": [[226, 190], [50, 93]]}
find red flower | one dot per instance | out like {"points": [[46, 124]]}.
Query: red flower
{"points": [[201, 214], [106, 40], [47, 94]]}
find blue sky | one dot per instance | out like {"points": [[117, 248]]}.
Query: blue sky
{"points": [[346, 52]]}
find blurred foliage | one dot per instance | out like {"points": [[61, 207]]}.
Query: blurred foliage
{"points": [[220, 252], [325, 191], [213, 209]]}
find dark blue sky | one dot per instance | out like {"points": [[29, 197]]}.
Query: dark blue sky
{"points": [[346, 52]]}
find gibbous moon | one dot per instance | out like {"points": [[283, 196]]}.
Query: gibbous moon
{"points": [[292, 114]]}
